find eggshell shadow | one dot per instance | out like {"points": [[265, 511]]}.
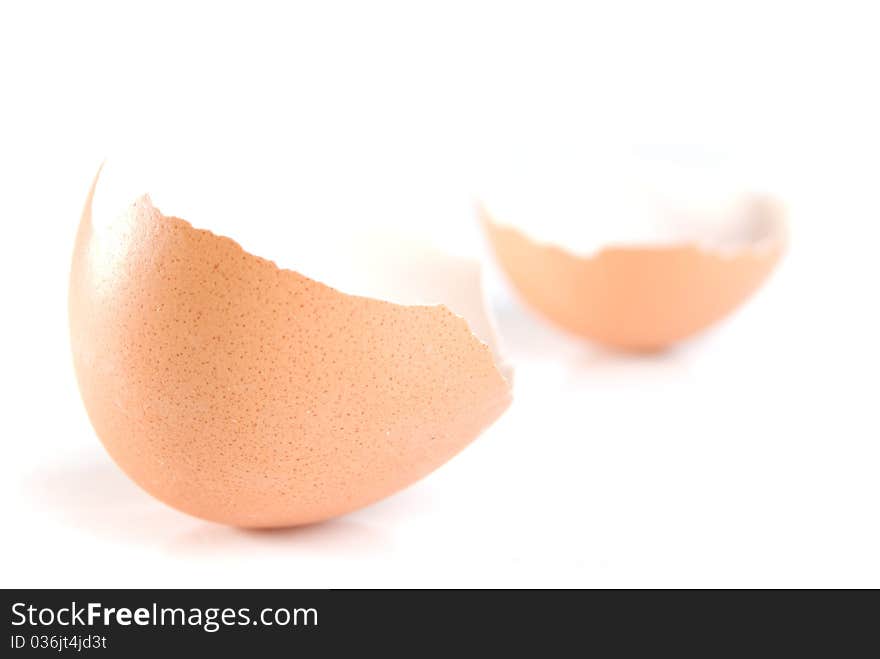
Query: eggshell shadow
{"points": [[528, 337], [90, 493]]}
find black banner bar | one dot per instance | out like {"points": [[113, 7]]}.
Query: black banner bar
{"points": [[146, 622]]}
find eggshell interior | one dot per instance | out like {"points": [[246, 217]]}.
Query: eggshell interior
{"points": [[586, 203], [250, 395]]}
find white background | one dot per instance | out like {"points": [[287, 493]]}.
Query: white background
{"points": [[748, 457]]}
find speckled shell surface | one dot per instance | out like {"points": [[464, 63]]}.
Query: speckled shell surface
{"points": [[631, 298], [253, 396]]}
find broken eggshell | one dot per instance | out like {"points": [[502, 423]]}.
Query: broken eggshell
{"points": [[250, 395], [642, 295]]}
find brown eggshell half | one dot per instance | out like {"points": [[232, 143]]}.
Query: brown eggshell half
{"points": [[250, 395], [639, 298]]}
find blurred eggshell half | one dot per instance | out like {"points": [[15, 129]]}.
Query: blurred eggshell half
{"points": [[250, 395], [640, 297]]}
